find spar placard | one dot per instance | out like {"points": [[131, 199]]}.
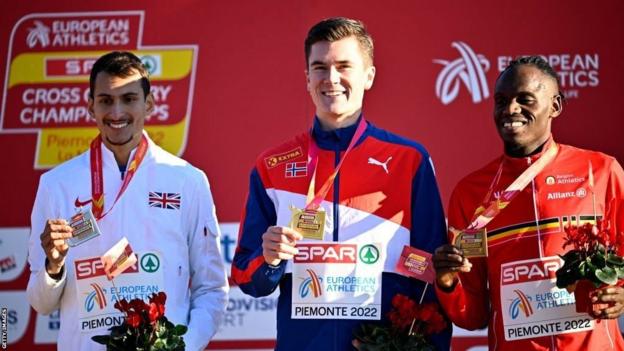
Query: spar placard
{"points": [[50, 56]]}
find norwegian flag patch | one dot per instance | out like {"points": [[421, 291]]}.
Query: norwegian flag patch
{"points": [[296, 170], [169, 201]]}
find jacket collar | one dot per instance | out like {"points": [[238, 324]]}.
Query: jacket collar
{"points": [[336, 139], [108, 157], [524, 162]]}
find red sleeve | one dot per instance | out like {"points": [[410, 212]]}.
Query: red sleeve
{"points": [[615, 203], [467, 305]]}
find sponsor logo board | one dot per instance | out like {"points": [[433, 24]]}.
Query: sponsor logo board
{"points": [[46, 81]]}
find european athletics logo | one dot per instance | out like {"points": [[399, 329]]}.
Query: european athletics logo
{"points": [[470, 69], [311, 284], [521, 302], [97, 295]]}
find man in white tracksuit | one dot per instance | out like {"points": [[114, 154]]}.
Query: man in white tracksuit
{"points": [[159, 202]]}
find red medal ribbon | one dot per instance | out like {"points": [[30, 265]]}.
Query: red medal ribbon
{"points": [[313, 202], [491, 208], [97, 177]]}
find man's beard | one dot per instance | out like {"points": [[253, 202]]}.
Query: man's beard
{"points": [[119, 143]]}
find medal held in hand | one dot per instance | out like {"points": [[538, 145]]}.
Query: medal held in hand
{"points": [[472, 242], [84, 223], [309, 223], [473, 239], [85, 227]]}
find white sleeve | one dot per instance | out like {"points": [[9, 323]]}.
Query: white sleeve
{"points": [[44, 293], [209, 285]]}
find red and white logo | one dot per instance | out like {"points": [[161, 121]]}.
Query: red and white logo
{"points": [[13, 253], [530, 270], [93, 267], [326, 253]]}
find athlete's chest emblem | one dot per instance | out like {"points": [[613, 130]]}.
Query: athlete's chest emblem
{"points": [[384, 165], [170, 201]]}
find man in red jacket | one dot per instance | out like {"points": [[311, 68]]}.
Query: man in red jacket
{"points": [[512, 290]]}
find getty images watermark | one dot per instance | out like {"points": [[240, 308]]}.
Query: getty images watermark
{"points": [[4, 323]]}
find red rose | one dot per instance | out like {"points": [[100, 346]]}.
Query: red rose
{"points": [[122, 305], [133, 319], [159, 298], [397, 300], [138, 305], [404, 311], [159, 301], [153, 313]]}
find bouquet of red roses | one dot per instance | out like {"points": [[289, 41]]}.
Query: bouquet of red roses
{"points": [[145, 327], [410, 326]]}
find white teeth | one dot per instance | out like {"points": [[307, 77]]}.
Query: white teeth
{"points": [[118, 125], [513, 124], [333, 93]]}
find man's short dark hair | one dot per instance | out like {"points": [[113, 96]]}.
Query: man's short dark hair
{"points": [[119, 64], [337, 28], [538, 62]]}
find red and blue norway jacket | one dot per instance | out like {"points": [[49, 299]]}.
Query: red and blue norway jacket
{"points": [[385, 192]]}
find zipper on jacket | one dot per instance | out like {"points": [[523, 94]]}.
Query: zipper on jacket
{"points": [[336, 192], [536, 214]]}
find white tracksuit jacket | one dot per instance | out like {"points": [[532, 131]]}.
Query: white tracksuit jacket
{"points": [[178, 249]]}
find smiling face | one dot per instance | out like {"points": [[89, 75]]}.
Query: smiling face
{"points": [[525, 102], [119, 107], [337, 76]]}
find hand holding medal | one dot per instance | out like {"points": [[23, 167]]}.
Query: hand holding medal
{"points": [[448, 261], [278, 243], [310, 221], [54, 245], [473, 239]]}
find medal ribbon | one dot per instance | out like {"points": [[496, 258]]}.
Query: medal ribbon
{"points": [[485, 214], [313, 202], [97, 180]]}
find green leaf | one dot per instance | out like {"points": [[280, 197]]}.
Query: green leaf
{"points": [[565, 277], [180, 329], [598, 259], [591, 267], [571, 256], [583, 269], [615, 259], [161, 331], [159, 343], [619, 271], [101, 339], [607, 275]]}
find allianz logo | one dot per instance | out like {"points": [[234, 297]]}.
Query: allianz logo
{"points": [[580, 193]]}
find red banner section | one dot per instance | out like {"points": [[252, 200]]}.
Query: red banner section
{"points": [[437, 65], [46, 84]]}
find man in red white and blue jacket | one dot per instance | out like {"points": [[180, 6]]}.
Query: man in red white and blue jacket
{"points": [[384, 193]]}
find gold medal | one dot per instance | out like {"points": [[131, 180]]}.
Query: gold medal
{"points": [[472, 242], [309, 223]]}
